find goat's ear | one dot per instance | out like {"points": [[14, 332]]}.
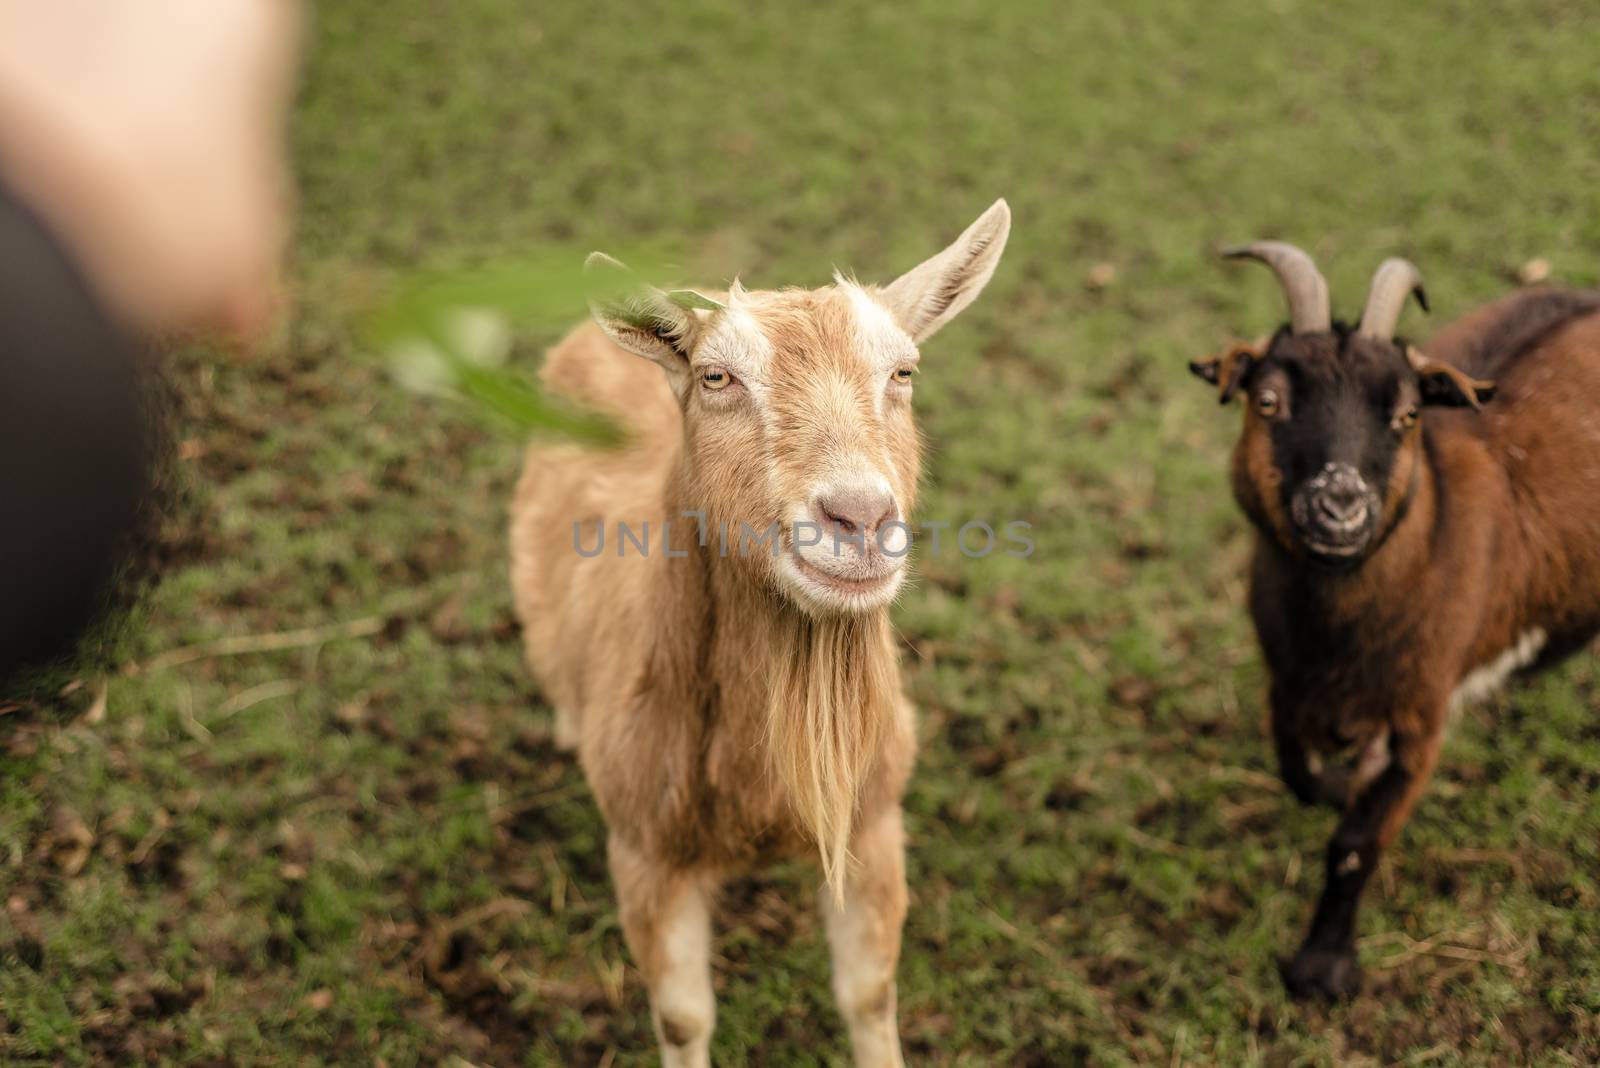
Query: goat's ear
{"points": [[1228, 370], [934, 292], [1444, 385], [641, 318]]}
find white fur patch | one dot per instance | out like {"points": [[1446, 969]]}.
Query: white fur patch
{"points": [[879, 339], [738, 343], [1486, 681], [682, 993], [863, 967]]}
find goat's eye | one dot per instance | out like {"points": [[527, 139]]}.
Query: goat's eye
{"points": [[715, 378], [1408, 418], [903, 375], [1268, 403]]}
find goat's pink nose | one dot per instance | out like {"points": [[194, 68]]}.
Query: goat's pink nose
{"points": [[857, 511]]}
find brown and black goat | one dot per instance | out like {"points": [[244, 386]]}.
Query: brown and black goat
{"points": [[1427, 525]]}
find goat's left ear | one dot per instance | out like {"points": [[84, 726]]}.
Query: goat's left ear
{"points": [[1446, 386], [641, 318], [1228, 371], [934, 292]]}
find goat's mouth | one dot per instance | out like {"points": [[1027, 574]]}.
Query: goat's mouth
{"points": [[1334, 557], [1338, 537], [1339, 550], [821, 590]]}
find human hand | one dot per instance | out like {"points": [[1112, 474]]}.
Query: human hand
{"points": [[149, 137]]}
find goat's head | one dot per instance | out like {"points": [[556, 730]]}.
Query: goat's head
{"points": [[1332, 438], [797, 412]]}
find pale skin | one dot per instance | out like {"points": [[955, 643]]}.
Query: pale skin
{"points": [[149, 136]]}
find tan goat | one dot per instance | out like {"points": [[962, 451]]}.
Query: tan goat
{"points": [[724, 663]]}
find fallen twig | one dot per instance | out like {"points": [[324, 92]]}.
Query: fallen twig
{"points": [[1442, 945], [255, 695], [260, 643]]}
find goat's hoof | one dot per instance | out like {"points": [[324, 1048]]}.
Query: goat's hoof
{"points": [[1323, 974]]}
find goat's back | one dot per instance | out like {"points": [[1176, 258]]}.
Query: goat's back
{"points": [[1491, 341], [1542, 434], [571, 605]]}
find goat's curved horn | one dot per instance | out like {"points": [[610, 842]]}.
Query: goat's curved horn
{"points": [[1395, 280], [1301, 281]]}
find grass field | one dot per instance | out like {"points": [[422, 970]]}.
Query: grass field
{"points": [[359, 847]]}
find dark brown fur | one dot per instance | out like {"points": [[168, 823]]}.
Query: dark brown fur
{"points": [[1489, 533]]}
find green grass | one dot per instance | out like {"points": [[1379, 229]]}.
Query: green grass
{"points": [[364, 849]]}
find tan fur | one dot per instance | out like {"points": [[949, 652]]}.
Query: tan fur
{"points": [[719, 725], [864, 937], [731, 705], [638, 648], [822, 745]]}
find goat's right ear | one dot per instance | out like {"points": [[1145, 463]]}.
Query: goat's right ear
{"points": [[639, 317], [934, 292], [1228, 370], [1446, 386]]}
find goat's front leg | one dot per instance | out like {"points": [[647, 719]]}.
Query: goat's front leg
{"points": [[666, 917], [864, 939], [1294, 765], [1326, 965]]}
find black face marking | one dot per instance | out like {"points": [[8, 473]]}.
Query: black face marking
{"points": [[1336, 409]]}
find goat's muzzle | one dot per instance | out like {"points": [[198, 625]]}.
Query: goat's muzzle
{"points": [[846, 549], [1335, 515]]}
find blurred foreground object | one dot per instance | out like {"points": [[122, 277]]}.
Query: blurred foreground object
{"points": [[74, 458], [142, 195], [453, 335], [149, 136]]}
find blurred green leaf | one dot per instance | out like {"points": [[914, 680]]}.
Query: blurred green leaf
{"points": [[448, 334]]}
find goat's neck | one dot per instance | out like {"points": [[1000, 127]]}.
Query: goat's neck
{"points": [[683, 615]]}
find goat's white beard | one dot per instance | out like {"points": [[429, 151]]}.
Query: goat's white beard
{"points": [[833, 695]]}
